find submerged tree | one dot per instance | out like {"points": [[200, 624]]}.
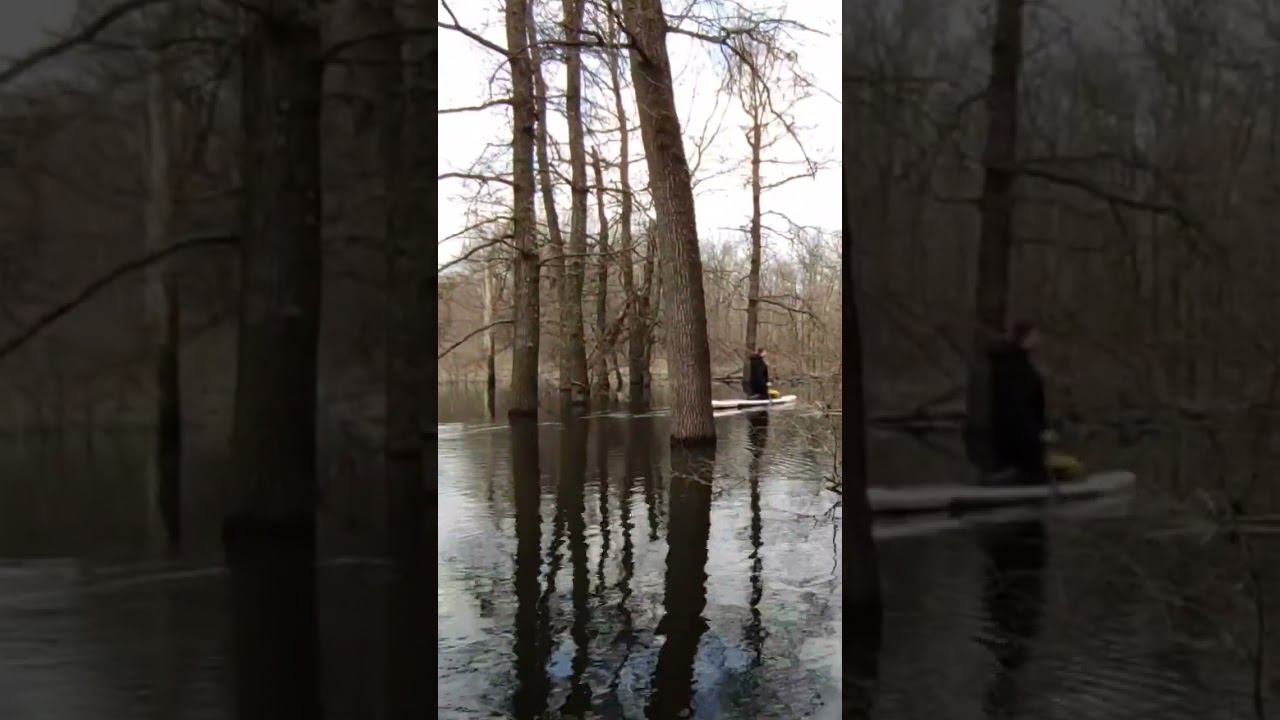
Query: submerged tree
{"points": [[636, 320], [573, 366], [683, 302], [996, 206], [269, 531], [525, 308]]}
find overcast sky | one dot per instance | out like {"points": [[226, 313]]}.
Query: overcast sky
{"points": [[723, 201]]}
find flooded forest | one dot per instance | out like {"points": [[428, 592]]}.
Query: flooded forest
{"points": [[1104, 170], [214, 397], [672, 358], [1099, 169]]}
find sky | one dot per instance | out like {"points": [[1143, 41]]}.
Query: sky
{"points": [[723, 201]]}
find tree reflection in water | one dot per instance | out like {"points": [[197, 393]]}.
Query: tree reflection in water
{"points": [[685, 583], [530, 646]]}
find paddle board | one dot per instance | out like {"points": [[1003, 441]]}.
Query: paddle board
{"points": [[926, 498], [724, 404], [903, 525]]}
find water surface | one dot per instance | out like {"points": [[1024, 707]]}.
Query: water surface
{"points": [[584, 564]]}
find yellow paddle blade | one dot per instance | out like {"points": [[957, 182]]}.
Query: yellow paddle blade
{"points": [[1064, 465], [774, 393]]}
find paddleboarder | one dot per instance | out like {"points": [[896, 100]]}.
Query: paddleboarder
{"points": [[1017, 408], [757, 384]]}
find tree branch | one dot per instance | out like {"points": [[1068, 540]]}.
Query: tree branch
{"points": [[470, 335], [477, 178], [474, 108], [478, 38], [23, 337], [87, 34]]}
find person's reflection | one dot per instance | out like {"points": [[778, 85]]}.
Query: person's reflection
{"points": [[571, 501], [757, 438], [685, 584], [1013, 597], [531, 678]]}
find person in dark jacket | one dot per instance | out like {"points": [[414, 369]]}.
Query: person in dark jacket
{"points": [[758, 380], [1017, 407]]}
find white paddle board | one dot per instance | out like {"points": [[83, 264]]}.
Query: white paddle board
{"points": [[900, 526], [725, 404], [925, 498]]}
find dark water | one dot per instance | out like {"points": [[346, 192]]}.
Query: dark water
{"points": [[584, 565], [1125, 609], [99, 621], [662, 591]]}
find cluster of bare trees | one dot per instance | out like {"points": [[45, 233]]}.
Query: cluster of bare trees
{"points": [[1103, 170], [243, 106], [798, 316], [641, 270]]}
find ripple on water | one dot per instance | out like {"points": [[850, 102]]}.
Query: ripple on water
{"points": [[761, 657]]}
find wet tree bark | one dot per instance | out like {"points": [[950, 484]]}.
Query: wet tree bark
{"points": [[162, 300], [402, 71], [865, 610], [269, 531], [684, 307], [636, 366], [996, 206], [524, 353], [573, 377], [603, 343]]}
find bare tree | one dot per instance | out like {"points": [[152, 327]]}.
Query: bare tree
{"points": [[756, 67], [269, 531], [573, 370], [637, 332], [555, 240], [604, 342], [524, 371], [995, 243], [684, 306]]}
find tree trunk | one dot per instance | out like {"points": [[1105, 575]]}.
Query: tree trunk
{"points": [[603, 346], [651, 304], [573, 372], [555, 242], [753, 274], [401, 72], [864, 573], [491, 378], [636, 364], [161, 300], [269, 531], [524, 344], [996, 206], [684, 309]]}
